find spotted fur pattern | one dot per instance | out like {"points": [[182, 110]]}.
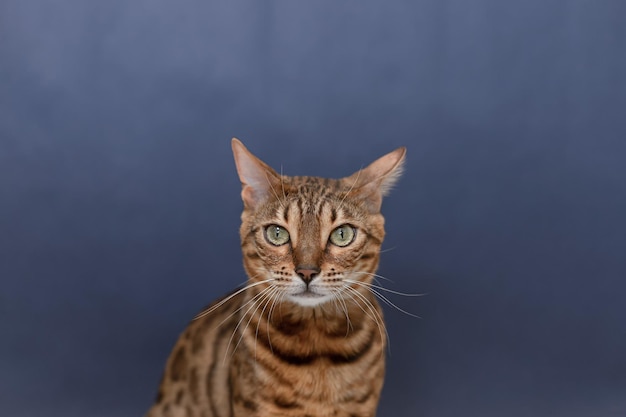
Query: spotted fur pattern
{"points": [[305, 337]]}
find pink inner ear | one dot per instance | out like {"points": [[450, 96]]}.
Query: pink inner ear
{"points": [[255, 175], [258, 189], [248, 197]]}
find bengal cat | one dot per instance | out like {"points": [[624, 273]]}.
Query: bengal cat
{"points": [[305, 337]]}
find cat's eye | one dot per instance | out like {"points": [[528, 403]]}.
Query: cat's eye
{"points": [[342, 235], [276, 235]]}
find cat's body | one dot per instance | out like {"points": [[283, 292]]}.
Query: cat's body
{"points": [[305, 337]]}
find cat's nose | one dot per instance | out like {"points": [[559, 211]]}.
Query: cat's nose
{"points": [[307, 273]]}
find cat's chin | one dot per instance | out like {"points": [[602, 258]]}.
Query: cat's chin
{"points": [[309, 299]]}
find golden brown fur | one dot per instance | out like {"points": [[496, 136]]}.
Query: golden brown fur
{"points": [[305, 337]]}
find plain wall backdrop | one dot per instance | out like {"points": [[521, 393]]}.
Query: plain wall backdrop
{"points": [[119, 199]]}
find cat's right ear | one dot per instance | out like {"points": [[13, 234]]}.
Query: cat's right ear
{"points": [[258, 180]]}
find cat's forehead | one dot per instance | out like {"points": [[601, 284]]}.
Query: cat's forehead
{"points": [[310, 198], [307, 187]]}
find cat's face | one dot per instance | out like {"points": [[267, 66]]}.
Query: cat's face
{"points": [[312, 242], [309, 240]]}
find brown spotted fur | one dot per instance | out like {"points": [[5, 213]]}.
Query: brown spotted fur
{"points": [[285, 359]]}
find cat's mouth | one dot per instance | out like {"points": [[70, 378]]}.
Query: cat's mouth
{"points": [[308, 294], [309, 298]]}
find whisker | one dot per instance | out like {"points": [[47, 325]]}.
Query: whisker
{"points": [[252, 301], [340, 302], [377, 318], [241, 307], [374, 275], [383, 298], [385, 289], [274, 191], [282, 182], [260, 301], [345, 308], [346, 292], [335, 302], [277, 300], [212, 308], [350, 190], [270, 298]]}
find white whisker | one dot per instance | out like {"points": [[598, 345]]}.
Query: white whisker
{"points": [[376, 317], [277, 300], [252, 301], [383, 298], [212, 308], [373, 275], [270, 298], [340, 302], [258, 303], [386, 289]]}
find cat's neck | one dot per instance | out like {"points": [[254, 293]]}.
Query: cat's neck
{"points": [[330, 319]]}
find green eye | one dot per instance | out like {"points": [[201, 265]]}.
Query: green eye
{"points": [[276, 235], [343, 235]]}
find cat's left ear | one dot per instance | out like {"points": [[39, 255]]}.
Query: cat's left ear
{"points": [[258, 180], [375, 181]]}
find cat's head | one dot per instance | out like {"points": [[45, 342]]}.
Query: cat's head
{"points": [[308, 239]]}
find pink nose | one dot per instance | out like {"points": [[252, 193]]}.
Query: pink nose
{"points": [[307, 273]]}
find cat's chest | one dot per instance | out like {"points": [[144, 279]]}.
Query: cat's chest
{"points": [[319, 380], [312, 361]]}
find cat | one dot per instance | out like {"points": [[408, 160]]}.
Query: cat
{"points": [[305, 337]]}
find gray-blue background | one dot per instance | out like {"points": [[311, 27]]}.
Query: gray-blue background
{"points": [[119, 200]]}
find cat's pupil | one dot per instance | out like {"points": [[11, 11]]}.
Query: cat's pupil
{"points": [[276, 235]]}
